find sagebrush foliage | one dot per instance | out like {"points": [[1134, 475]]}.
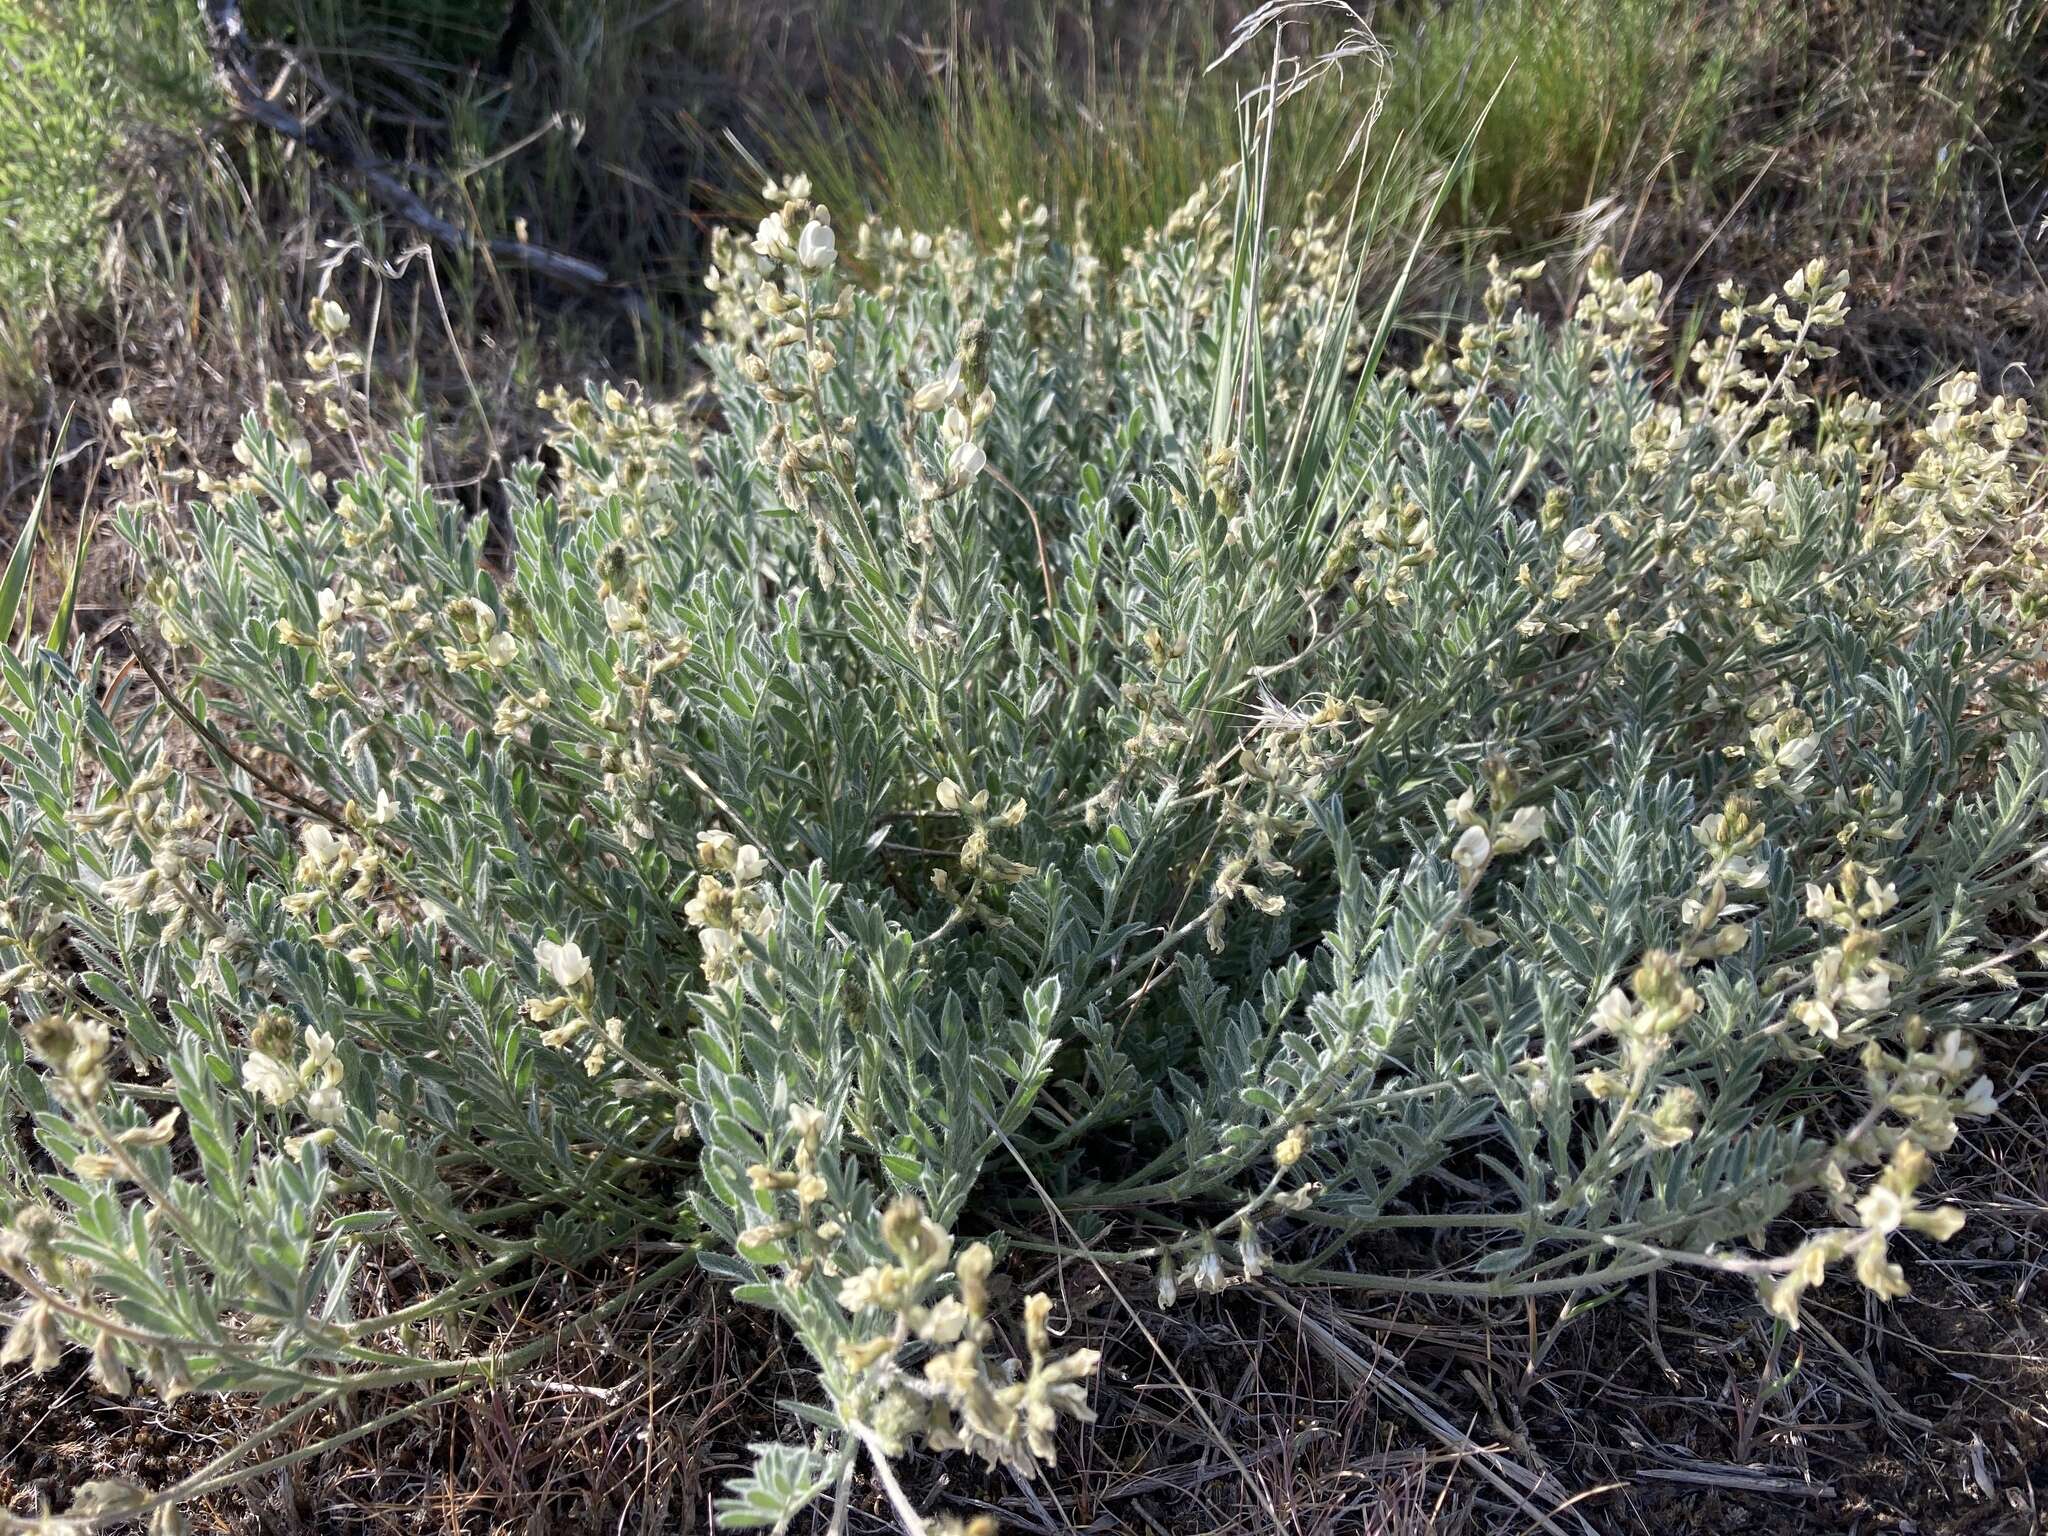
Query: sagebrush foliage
{"points": [[1021, 742]]}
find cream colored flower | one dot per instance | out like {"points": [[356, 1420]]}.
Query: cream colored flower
{"points": [[817, 247], [965, 462], [1523, 828], [269, 1079], [1205, 1270], [564, 962], [321, 846], [1472, 850], [940, 392], [771, 239]]}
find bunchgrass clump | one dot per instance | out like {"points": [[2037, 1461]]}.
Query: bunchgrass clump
{"points": [[1584, 110], [1026, 763]]}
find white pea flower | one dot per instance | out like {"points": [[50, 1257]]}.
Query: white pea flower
{"points": [[158, 1133], [939, 392], [1743, 873], [1169, 1283], [1954, 1056], [34, 1337], [1472, 850], [319, 1049], [269, 1079], [817, 247], [1523, 828], [1797, 753], [554, 1039], [1581, 545], [1205, 1272], [322, 1068], [749, 864], [920, 247], [1675, 1119], [1614, 1012], [1869, 990], [1881, 1210], [501, 649], [1251, 1254], [965, 462], [321, 845], [122, 413], [721, 952], [129, 893], [771, 238], [564, 962]]}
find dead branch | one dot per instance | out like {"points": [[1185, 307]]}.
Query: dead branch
{"points": [[229, 48]]}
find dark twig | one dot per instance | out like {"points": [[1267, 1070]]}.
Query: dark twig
{"points": [[212, 737], [228, 44]]}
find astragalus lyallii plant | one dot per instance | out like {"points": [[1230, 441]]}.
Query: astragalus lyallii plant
{"points": [[1023, 763]]}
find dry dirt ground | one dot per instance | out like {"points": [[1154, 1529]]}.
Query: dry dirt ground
{"points": [[1672, 1408], [1933, 1421]]}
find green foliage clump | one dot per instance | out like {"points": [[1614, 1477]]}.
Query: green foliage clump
{"points": [[76, 82], [1021, 743]]}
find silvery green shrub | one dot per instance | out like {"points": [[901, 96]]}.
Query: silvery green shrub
{"points": [[1020, 743]]}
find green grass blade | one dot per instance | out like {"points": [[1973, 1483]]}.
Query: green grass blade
{"points": [[1391, 308], [14, 581], [60, 622], [1312, 465]]}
